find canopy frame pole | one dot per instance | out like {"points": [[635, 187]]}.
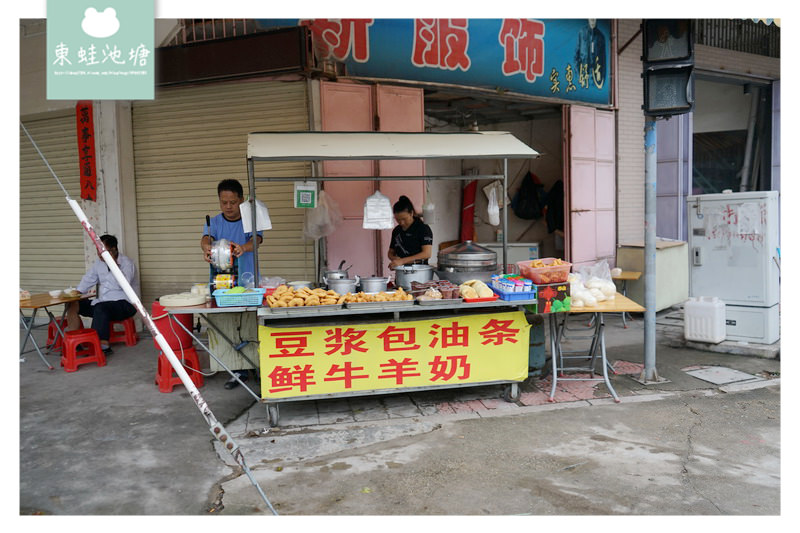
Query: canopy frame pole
{"points": [[505, 216], [252, 186]]}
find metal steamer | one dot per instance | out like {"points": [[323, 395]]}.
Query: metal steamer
{"points": [[466, 261]]}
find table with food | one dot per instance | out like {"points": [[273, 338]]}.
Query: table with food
{"points": [[43, 301]]}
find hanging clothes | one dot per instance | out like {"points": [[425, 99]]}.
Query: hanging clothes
{"points": [[468, 211], [555, 207], [530, 199]]}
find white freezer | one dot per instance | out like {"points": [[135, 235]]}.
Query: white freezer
{"points": [[733, 247], [734, 255]]}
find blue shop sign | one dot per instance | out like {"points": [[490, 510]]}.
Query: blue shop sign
{"points": [[563, 58]]}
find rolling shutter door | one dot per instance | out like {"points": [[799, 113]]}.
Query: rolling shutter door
{"points": [[51, 251], [185, 142]]}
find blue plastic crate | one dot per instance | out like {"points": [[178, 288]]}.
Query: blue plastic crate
{"points": [[242, 299], [529, 295]]}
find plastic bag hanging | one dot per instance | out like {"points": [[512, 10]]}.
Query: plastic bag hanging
{"points": [[323, 219], [263, 221], [428, 208], [493, 209], [378, 212]]}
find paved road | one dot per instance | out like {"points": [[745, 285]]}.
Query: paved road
{"points": [[691, 453]]}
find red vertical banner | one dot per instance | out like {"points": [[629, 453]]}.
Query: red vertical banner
{"points": [[84, 121]]}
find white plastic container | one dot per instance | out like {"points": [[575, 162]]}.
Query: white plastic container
{"points": [[704, 319]]}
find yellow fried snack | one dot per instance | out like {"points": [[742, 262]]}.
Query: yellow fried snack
{"points": [[280, 290], [296, 302], [312, 300], [280, 303]]}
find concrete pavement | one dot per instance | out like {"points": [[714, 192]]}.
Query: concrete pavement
{"points": [[104, 441]]}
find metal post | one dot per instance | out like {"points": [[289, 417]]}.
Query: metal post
{"points": [[650, 165], [505, 216], [252, 183], [748, 149]]}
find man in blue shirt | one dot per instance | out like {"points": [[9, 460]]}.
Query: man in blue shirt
{"points": [[111, 303], [228, 225]]}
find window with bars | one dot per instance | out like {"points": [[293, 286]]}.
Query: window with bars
{"points": [[739, 35], [197, 30]]}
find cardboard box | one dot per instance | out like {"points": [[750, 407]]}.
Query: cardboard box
{"points": [[553, 297]]}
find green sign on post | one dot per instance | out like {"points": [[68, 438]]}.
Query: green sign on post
{"points": [[305, 195]]}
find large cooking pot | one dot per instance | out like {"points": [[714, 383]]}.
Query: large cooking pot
{"points": [[405, 274], [466, 261], [374, 284], [342, 286]]}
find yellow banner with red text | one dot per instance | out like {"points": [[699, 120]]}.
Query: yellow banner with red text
{"points": [[314, 360]]}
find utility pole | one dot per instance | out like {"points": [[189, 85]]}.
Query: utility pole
{"points": [[667, 71]]}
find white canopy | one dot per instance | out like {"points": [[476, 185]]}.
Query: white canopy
{"points": [[322, 145]]}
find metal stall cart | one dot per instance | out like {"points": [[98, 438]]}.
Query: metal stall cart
{"points": [[379, 348]]}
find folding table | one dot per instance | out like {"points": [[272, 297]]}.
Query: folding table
{"points": [[42, 301], [620, 304]]}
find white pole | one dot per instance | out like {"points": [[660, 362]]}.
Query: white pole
{"points": [[216, 428]]}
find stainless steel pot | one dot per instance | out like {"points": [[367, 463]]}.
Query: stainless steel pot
{"points": [[339, 273], [334, 274], [405, 274], [342, 286], [374, 284]]}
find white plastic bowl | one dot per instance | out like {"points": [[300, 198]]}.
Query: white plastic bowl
{"points": [[54, 294]]}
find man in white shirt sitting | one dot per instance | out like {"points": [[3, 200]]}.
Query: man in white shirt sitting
{"points": [[110, 303]]}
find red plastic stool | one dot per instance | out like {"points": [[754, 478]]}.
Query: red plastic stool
{"points": [[72, 355], [128, 335], [166, 378], [53, 338]]}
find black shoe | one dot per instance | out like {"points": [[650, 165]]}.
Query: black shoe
{"points": [[232, 383], [108, 351]]}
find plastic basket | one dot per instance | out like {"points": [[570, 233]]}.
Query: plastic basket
{"points": [[509, 296], [249, 299], [546, 274]]}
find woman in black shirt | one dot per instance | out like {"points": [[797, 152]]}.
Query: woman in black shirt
{"points": [[412, 240]]}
